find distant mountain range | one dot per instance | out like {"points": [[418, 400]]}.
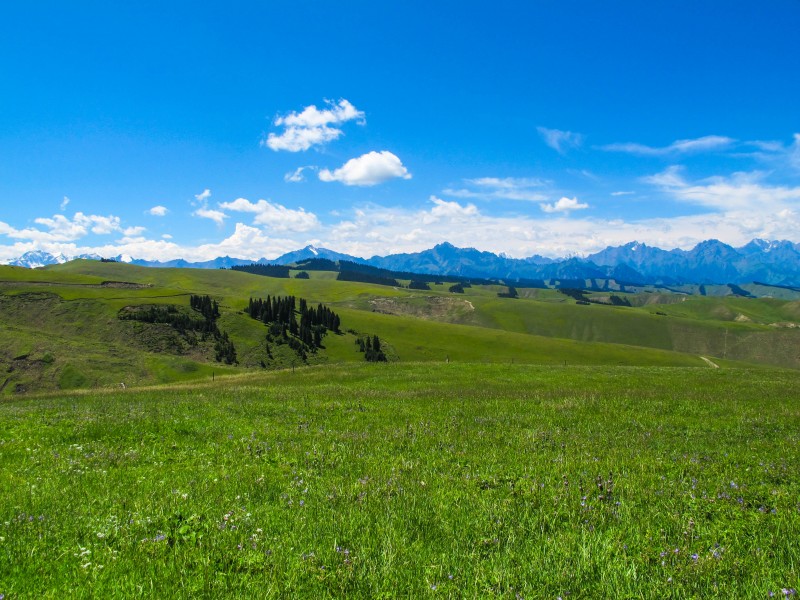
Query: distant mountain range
{"points": [[710, 262]]}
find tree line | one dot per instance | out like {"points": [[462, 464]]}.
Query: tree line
{"points": [[280, 314], [371, 347]]}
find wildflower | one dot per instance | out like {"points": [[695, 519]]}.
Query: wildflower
{"points": [[695, 557]]}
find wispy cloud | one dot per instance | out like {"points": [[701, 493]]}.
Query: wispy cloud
{"points": [[367, 170], [312, 126], [703, 144], [777, 155], [203, 196], [563, 205], [559, 140], [64, 203], [739, 191], [297, 176], [501, 188]]}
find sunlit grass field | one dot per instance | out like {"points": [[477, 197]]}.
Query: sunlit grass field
{"points": [[408, 481]]}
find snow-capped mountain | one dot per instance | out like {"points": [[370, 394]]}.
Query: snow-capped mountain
{"points": [[40, 258], [313, 252], [711, 261]]}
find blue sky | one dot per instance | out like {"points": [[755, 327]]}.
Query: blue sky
{"points": [[175, 129]]}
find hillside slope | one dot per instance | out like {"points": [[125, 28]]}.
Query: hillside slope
{"points": [[60, 326]]}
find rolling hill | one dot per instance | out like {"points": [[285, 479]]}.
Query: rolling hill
{"points": [[60, 326]]}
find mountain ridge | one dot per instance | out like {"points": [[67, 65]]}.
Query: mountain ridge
{"points": [[709, 262]]}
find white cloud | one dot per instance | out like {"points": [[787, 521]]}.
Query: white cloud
{"points": [[60, 229], [203, 196], [794, 152], [563, 205], [297, 176], [215, 215], [103, 225], [623, 193], [451, 211], [366, 170], [207, 213], [740, 191], [274, 216], [64, 203], [702, 144], [559, 140], [133, 231], [166, 236], [371, 230], [158, 211], [505, 188], [312, 126]]}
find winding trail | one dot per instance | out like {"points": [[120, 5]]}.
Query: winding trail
{"points": [[711, 363]]}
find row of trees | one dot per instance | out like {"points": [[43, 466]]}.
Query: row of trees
{"points": [[280, 271]]}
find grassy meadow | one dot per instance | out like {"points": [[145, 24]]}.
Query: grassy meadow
{"points": [[408, 480]]}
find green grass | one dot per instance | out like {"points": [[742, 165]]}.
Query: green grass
{"points": [[408, 480]]}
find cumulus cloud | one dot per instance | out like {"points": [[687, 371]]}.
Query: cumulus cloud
{"points": [[366, 170], [451, 211], [373, 229], [563, 205], [204, 212], [158, 211], [274, 216], [60, 228], [702, 144], [209, 213], [312, 126], [559, 140]]}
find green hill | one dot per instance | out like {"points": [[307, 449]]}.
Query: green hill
{"points": [[60, 326]]}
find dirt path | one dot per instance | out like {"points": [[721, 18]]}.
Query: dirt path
{"points": [[710, 362]]}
